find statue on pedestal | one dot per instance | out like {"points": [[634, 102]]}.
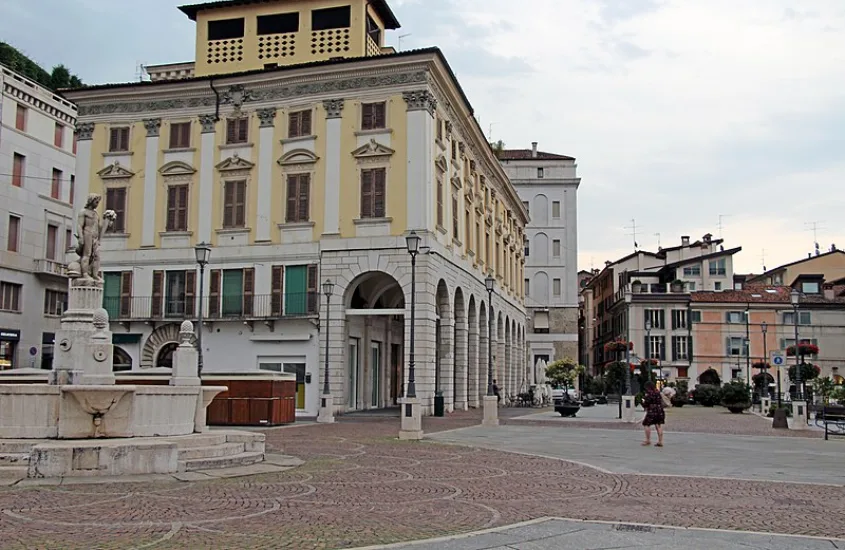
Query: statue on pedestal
{"points": [[90, 230]]}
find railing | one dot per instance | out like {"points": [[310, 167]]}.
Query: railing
{"points": [[261, 306], [51, 267]]}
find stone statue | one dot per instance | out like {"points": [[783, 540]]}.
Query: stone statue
{"points": [[90, 230]]}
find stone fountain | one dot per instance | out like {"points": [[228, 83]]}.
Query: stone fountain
{"points": [[83, 424]]}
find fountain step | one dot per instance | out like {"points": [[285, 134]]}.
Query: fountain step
{"points": [[14, 459], [16, 446], [212, 451], [242, 459], [13, 472], [197, 440]]}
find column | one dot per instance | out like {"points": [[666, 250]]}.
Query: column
{"points": [[204, 205], [482, 356], [474, 366], [499, 365], [153, 126], [84, 136], [461, 365], [266, 118], [334, 113], [447, 362], [509, 374], [420, 121]]}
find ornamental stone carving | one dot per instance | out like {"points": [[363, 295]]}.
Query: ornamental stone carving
{"points": [[84, 131], [266, 116], [208, 123], [237, 95], [333, 107], [420, 100], [153, 126]]}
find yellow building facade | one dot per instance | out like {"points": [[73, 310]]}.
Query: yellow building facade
{"points": [[313, 165]]}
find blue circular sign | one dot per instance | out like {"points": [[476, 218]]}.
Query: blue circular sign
{"points": [[778, 360], [33, 351]]}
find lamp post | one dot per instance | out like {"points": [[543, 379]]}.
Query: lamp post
{"points": [[648, 347], [203, 254], [794, 297], [490, 285], [628, 298], [326, 413], [748, 348], [764, 328], [413, 243]]}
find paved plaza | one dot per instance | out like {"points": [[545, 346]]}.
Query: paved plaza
{"points": [[359, 486]]}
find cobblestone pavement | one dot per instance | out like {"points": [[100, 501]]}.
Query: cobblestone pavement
{"points": [[361, 486]]}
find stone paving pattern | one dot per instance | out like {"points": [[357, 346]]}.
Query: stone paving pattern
{"points": [[360, 486]]}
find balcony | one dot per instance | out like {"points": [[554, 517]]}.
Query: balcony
{"points": [[255, 307], [50, 268]]}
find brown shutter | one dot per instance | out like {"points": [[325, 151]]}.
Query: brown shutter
{"points": [[277, 285], [190, 292], [231, 134], [240, 204], [366, 193], [293, 125], [158, 292], [114, 139], [171, 207], [313, 295], [249, 290], [126, 294], [304, 193], [440, 202], [379, 115], [305, 123], [243, 130], [228, 203], [214, 293], [124, 139], [366, 116], [182, 212], [290, 215], [378, 192]]}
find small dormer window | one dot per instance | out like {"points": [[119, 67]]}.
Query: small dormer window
{"points": [[541, 173], [810, 287], [331, 18]]}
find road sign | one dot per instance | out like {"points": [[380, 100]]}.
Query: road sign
{"points": [[778, 358]]}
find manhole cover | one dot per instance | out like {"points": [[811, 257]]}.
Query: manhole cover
{"points": [[634, 528]]}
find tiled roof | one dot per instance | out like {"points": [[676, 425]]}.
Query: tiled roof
{"points": [[784, 266], [528, 154], [749, 295], [381, 7]]}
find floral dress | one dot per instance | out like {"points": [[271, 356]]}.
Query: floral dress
{"points": [[653, 405]]}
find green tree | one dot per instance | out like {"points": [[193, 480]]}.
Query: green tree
{"points": [[564, 372], [60, 77]]}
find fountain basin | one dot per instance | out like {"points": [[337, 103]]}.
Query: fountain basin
{"points": [[96, 411], [29, 411]]}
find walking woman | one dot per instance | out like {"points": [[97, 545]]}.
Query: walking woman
{"points": [[654, 414]]}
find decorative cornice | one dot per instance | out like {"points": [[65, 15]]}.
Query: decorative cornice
{"points": [[298, 157], [272, 93], [208, 123], [234, 163], [371, 150], [153, 126], [84, 131], [266, 116], [419, 100], [115, 171], [237, 95], [177, 169], [333, 107]]}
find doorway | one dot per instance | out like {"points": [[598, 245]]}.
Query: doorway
{"points": [[397, 377], [354, 373], [375, 368]]}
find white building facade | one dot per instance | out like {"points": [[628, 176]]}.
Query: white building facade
{"points": [[36, 218], [547, 184]]}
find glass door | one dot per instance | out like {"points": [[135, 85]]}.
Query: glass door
{"points": [[354, 368], [375, 364], [233, 292], [111, 294]]}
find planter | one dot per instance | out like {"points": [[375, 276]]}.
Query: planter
{"points": [[737, 408], [567, 409], [676, 287], [678, 402], [588, 402], [636, 287]]}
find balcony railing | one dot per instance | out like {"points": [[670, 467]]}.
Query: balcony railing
{"points": [[50, 267], [260, 306]]}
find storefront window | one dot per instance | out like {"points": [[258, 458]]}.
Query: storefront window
{"points": [[8, 348]]}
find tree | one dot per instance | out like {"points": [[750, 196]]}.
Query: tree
{"points": [[823, 387], [498, 147], [60, 77], [564, 372]]}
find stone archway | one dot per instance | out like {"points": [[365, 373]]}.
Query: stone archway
{"points": [[483, 348], [474, 366], [459, 384], [161, 336], [444, 365]]}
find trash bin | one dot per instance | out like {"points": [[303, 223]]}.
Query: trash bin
{"points": [[439, 404]]}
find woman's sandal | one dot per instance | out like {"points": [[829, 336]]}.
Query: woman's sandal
{"points": [[658, 444], [645, 443]]}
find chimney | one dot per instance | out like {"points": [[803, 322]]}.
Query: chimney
{"points": [[533, 149], [828, 291], [685, 240], [708, 238]]}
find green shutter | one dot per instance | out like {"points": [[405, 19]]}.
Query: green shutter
{"points": [[111, 294], [233, 292], [296, 290]]}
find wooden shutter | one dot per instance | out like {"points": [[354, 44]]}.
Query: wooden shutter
{"points": [[243, 130], [240, 204], [440, 202], [366, 193], [228, 203], [190, 292], [378, 115], [662, 348], [378, 192], [674, 348], [182, 208], [304, 197], [305, 123], [293, 125], [313, 294], [231, 130], [661, 318], [124, 139], [367, 116], [290, 215], [114, 139], [126, 294], [172, 194], [158, 293], [249, 290], [278, 287], [214, 293]]}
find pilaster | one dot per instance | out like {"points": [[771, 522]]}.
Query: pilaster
{"points": [[474, 367], [265, 173], [420, 122], [447, 363], [153, 126], [461, 367], [84, 137], [206, 178], [334, 113]]}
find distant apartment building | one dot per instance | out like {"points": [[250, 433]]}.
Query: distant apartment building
{"points": [[547, 184], [37, 149]]}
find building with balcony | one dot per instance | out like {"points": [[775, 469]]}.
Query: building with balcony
{"points": [[547, 184], [303, 150], [37, 181]]}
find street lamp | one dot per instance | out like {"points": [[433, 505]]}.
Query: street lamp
{"points": [[748, 348], [413, 243], [764, 328], [648, 347], [794, 297], [328, 288], [490, 284], [203, 254], [628, 298]]}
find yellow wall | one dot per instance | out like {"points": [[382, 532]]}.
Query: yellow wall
{"points": [[301, 40]]}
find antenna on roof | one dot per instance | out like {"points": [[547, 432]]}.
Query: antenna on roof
{"points": [[490, 132], [721, 225], [401, 36], [633, 233], [763, 259], [814, 227], [141, 71], [658, 239]]}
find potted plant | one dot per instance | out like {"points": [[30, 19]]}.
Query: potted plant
{"points": [[734, 396], [617, 346], [563, 373], [681, 391], [707, 395], [677, 286], [637, 286]]}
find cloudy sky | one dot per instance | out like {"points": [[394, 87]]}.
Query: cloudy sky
{"points": [[681, 113]]}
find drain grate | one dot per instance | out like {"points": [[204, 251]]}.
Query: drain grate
{"points": [[634, 528]]}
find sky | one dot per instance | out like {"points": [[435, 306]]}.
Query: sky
{"points": [[686, 116]]}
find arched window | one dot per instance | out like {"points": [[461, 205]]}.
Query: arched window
{"points": [[122, 360], [165, 355]]}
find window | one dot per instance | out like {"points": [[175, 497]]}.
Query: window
{"points": [[278, 23], [56, 187], [679, 318], [527, 247], [174, 294], [18, 170], [525, 204], [59, 135], [556, 248], [55, 302], [52, 241], [177, 208], [788, 342], [116, 200], [299, 123], [119, 139], [372, 116], [527, 287], [478, 238], [373, 30], [456, 228], [234, 204], [68, 239], [541, 173], [180, 135], [692, 270], [680, 348], [556, 287], [300, 288], [656, 317], [695, 316], [735, 317], [736, 346], [737, 285], [299, 187], [718, 267], [330, 18], [20, 118], [690, 286], [225, 29], [454, 149], [440, 213], [556, 209], [10, 297], [804, 318], [237, 130], [72, 189], [717, 285], [808, 287], [13, 236], [468, 230], [117, 294], [439, 124], [372, 193], [656, 347]]}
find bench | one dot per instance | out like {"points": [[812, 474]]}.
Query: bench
{"points": [[833, 419]]}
